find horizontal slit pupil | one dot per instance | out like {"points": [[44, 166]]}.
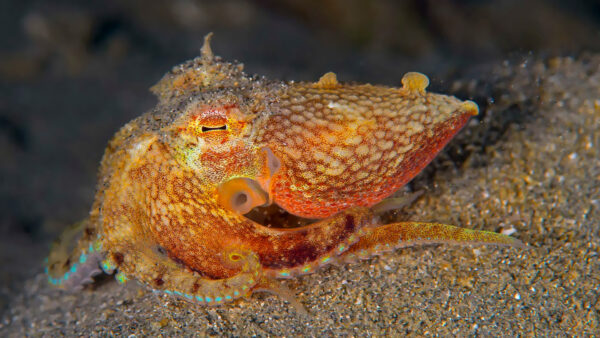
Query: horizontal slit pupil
{"points": [[205, 129]]}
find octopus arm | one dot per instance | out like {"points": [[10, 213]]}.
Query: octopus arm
{"points": [[286, 253], [392, 236], [70, 267], [153, 267]]}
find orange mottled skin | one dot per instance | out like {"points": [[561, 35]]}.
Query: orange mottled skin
{"points": [[176, 183]]}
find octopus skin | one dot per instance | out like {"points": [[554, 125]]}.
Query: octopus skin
{"points": [[177, 184]]}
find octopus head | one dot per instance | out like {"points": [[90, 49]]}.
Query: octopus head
{"points": [[215, 140]]}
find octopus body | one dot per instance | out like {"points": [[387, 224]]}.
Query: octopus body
{"points": [[178, 184]]}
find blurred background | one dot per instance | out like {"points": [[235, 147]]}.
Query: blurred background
{"points": [[73, 72]]}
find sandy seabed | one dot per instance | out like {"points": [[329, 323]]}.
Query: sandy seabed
{"points": [[529, 165]]}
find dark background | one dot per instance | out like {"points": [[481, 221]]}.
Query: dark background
{"points": [[73, 72]]}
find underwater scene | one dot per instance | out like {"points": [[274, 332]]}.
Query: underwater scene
{"points": [[300, 168]]}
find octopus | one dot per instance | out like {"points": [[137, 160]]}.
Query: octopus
{"points": [[234, 181]]}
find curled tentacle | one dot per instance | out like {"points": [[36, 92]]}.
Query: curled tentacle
{"points": [[153, 267], [74, 258], [218, 291]]}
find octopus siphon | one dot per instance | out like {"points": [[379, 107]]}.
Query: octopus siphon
{"points": [[191, 194]]}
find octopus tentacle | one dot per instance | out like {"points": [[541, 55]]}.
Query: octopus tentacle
{"points": [[278, 289], [393, 236], [286, 253], [162, 273], [72, 268]]}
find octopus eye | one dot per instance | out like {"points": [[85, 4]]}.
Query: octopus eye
{"points": [[241, 195], [207, 129], [235, 256]]}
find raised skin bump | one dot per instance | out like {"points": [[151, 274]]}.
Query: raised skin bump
{"points": [[415, 82], [327, 81], [167, 213]]}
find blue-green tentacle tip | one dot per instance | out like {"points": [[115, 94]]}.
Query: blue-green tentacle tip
{"points": [[121, 278], [108, 266]]}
